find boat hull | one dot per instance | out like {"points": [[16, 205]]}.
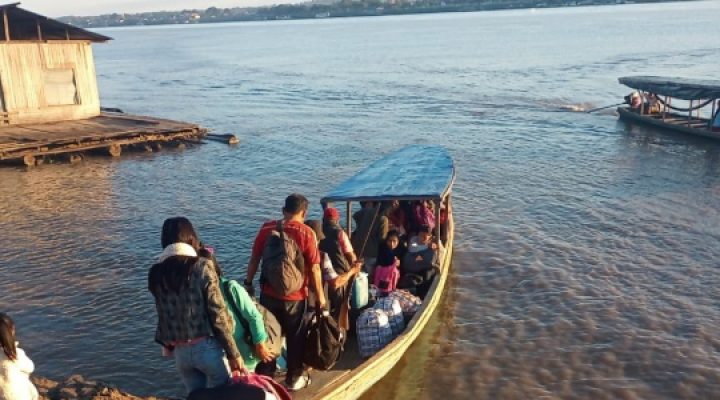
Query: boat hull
{"points": [[630, 116], [352, 383]]}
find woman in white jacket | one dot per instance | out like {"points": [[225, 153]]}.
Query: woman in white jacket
{"points": [[15, 366]]}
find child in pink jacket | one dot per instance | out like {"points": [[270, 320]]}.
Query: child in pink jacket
{"points": [[387, 272]]}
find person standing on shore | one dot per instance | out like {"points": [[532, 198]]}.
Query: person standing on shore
{"points": [[15, 366], [193, 323], [290, 265]]}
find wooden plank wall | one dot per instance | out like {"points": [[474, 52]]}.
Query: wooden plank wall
{"points": [[22, 66]]}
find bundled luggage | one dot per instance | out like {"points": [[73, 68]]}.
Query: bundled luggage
{"points": [[409, 303], [391, 307], [373, 331]]}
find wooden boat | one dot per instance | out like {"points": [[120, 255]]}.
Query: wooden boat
{"points": [[702, 96], [413, 173]]}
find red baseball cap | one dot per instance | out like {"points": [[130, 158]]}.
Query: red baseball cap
{"points": [[331, 214]]}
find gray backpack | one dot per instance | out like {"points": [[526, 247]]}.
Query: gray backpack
{"points": [[283, 266]]}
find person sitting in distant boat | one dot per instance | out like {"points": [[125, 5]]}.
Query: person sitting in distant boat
{"points": [[716, 120], [652, 104], [636, 101]]}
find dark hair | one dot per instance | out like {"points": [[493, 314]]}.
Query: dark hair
{"points": [[210, 255], [316, 226], [179, 230], [295, 204], [424, 228], [7, 336], [392, 232], [174, 272], [367, 204]]}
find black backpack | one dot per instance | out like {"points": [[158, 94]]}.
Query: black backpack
{"points": [[324, 342], [419, 262], [283, 266], [272, 326]]}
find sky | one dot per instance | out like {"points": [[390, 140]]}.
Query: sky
{"points": [[57, 8]]}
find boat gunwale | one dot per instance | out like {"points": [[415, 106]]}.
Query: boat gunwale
{"points": [[626, 114]]}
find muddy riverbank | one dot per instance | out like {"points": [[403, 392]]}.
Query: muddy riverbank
{"points": [[76, 387]]}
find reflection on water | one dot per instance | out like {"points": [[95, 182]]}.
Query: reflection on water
{"points": [[585, 260]]}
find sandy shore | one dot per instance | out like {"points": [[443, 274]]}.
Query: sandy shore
{"points": [[77, 387]]}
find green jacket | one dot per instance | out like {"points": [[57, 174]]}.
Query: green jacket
{"points": [[246, 307]]}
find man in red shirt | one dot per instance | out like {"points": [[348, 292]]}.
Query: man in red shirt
{"points": [[290, 309]]}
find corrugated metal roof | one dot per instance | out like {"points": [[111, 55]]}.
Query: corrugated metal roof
{"points": [[411, 173], [679, 88], [23, 25]]}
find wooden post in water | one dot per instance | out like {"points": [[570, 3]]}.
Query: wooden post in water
{"points": [[147, 148], [7, 25], [29, 160], [114, 150]]}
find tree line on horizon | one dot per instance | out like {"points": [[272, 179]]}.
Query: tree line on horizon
{"points": [[324, 9]]}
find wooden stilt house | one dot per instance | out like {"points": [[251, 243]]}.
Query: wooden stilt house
{"points": [[47, 71], [49, 100]]}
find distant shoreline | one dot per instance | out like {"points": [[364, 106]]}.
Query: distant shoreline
{"points": [[341, 9]]}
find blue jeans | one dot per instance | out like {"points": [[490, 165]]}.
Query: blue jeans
{"points": [[202, 364]]}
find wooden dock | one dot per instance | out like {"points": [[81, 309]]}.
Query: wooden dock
{"points": [[107, 133]]}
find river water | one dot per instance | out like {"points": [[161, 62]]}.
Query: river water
{"points": [[586, 254]]}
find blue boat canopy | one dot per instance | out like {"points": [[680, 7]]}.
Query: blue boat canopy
{"points": [[411, 173], [679, 88]]}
